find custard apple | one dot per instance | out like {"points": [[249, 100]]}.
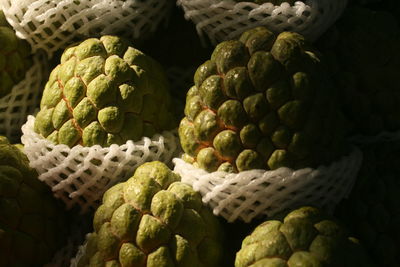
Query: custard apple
{"points": [[365, 62], [261, 102], [153, 219], [372, 210], [104, 92], [33, 224], [15, 57], [305, 237]]}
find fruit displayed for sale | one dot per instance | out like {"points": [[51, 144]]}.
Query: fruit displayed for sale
{"points": [[305, 237], [33, 225], [15, 57], [262, 102], [266, 100], [372, 210], [153, 219], [104, 92]]}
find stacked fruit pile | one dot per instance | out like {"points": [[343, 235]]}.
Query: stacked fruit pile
{"points": [[285, 147]]}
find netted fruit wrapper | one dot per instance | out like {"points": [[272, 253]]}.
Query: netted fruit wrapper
{"points": [[80, 175], [53, 25], [226, 20], [23, 99], [258, 193]]}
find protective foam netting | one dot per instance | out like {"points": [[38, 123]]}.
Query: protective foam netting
{"points": [[80, 175], [23, 99], [382, 137], [225, 20], [250, 194], [52, 25]]}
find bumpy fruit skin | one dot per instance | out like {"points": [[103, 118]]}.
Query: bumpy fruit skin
{"points": [[261, 102], [32, 223], [15, 57], [372, 210], [104, 92], [365, 62], [153, 220], [305, 237]]}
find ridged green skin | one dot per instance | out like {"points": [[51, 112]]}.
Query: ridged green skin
{"points": [[261, 102], [15, 57], [305, 237], [153, 220], [364, 50], [32, 223], [104, 92], [372, 210]]}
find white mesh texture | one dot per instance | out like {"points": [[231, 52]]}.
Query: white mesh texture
{"points": [[52, 25], [23, 99], [226, 20], [80, 175], [250, 194]]}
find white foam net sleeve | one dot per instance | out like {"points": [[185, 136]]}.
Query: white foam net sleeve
{"points": [[226, 20], [80, 175], [23, 99], [254, 193], [52, 25]]}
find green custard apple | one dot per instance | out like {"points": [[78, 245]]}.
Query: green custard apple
{"points": [[15, 57], [262, 102], [153, 219], [104, 92], [363, 47], [372, 211], [305, 237], [33, 224]]}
